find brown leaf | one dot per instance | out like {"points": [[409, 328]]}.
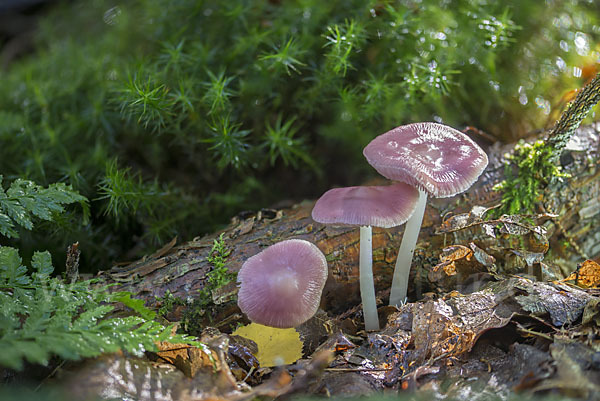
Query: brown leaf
{"points": [[564, 304], [458, 263], [186, 358], [587, 275], [591, 312], [482, 257]]}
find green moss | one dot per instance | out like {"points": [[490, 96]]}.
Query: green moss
{"points": [[199, 310], [532, 166], [528, 170], [167, 303]]}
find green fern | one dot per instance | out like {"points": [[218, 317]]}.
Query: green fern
{"points": [[25, 200], [42, 317]]}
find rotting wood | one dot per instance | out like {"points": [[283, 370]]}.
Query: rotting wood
{"points": [[182, 269]]}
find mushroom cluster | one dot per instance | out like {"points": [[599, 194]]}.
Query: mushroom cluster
{"points": [[281, 286], [424, 159]]}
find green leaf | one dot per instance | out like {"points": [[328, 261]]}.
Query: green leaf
{"points": [[42, 263], [12, 273], [24, 200], [136, 304]]}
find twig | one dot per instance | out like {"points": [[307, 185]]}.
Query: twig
{"points": [[358, 369], [60, 365]]}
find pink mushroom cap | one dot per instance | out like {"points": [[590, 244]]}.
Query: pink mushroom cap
{"points": [[282, 285], [383, 206], [434, 157]]}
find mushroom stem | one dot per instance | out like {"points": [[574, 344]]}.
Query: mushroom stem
{"points": [[367, 287], [405, 254]]}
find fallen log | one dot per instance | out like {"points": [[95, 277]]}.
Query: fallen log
{"points": [[574, 235]]}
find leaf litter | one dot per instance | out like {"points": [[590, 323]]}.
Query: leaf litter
{"points": [[521, 329]]}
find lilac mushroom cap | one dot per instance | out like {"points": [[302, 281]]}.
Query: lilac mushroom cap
{"points": [[381, 206], [434, 157], [282, 285]]}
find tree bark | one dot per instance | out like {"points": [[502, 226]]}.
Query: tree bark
{"points": [[574, 235]]}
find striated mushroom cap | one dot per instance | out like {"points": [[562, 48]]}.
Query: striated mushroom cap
{"points": [[434, 157], [384, 206], [282, 285]]}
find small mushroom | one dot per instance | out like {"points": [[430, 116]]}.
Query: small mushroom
{"points": [[385, 206], [438, 160], [282, 285]]}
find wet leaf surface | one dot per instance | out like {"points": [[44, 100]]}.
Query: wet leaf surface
{"points": [[189, 360]]}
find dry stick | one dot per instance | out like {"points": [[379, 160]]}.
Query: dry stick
{"points": [[72, 263], [571, 118]]}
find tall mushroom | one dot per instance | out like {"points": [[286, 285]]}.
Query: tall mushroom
{"points": [[282, 285], [438, 160], [385, 206]]}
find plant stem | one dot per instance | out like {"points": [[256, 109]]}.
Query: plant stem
{"points": [[367, 287], [405, 254]]}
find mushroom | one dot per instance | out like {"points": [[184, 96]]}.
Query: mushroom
{"points": [[384, 206], [438, 160], [282, 285]]}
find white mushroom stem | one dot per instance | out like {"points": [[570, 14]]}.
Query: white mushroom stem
{"points": [[367, 286], [405, 254]]}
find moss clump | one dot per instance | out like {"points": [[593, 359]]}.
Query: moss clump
{"points": [[532, 166], [167, 303], [528, 170], [198, 311], [220, 274]]}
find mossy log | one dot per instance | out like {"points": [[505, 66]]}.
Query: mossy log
{"points": [[574, 235]]}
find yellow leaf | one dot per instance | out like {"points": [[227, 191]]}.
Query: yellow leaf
{"points": [[275, 346]]}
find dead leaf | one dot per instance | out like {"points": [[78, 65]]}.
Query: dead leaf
{"points": [[587, 275], [435, 331], [276, 347], [571, 376], [591, 312], [530, 258], [186, 358], [458, 263], [463, 220], [564, 304], [450, 255], [482, 257], [496, 242]]}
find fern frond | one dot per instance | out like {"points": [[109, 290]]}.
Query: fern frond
{"points": [[43, 317], [25, 200]]}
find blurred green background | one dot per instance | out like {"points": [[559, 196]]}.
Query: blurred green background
{"points": [[172, 116]]}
